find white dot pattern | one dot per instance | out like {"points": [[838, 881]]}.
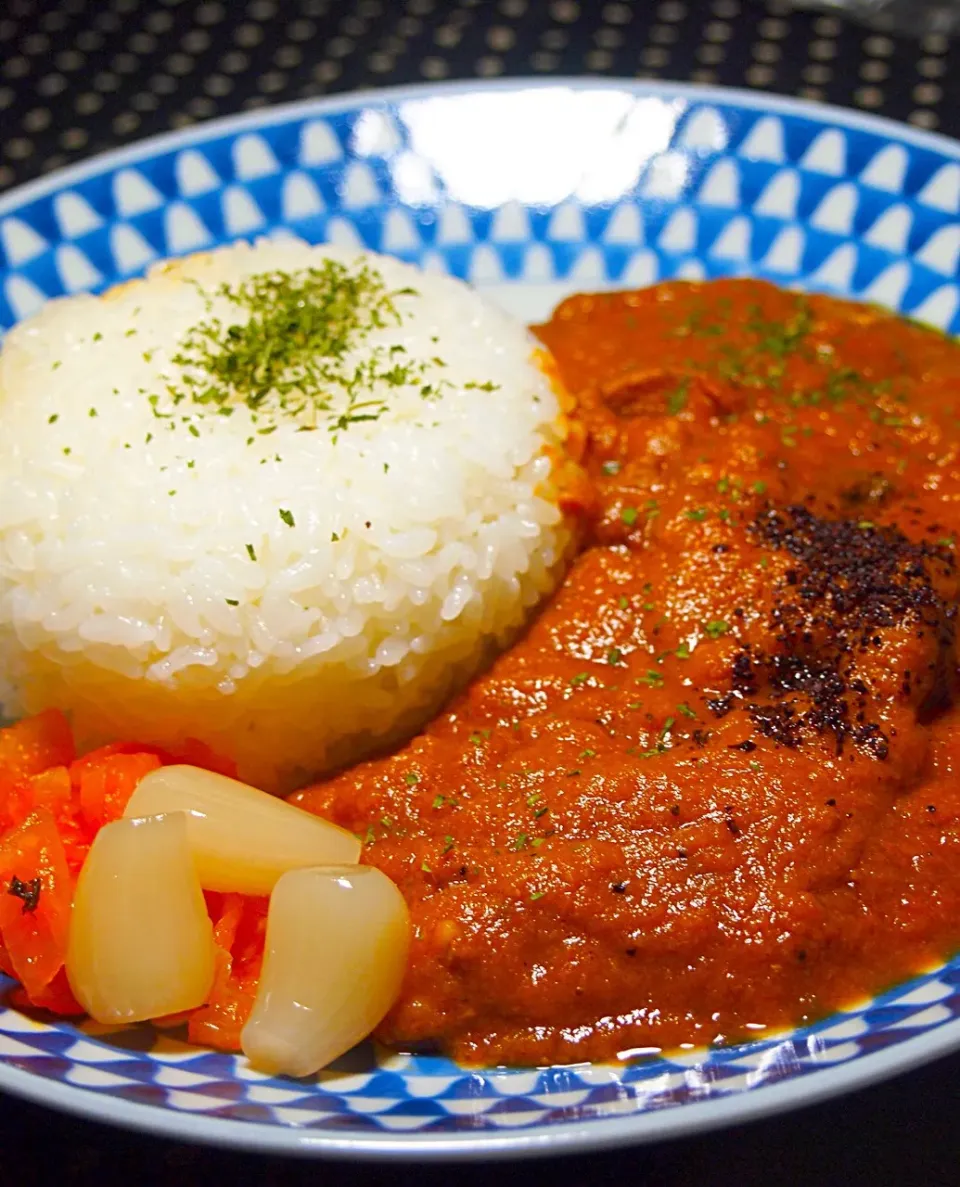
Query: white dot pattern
{"points": [[87, 77]]}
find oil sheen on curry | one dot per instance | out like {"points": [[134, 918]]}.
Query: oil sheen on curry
{"points": [[713, 791]]}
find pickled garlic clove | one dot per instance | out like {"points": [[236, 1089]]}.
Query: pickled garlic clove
{"points": [[141, 942], [336, 950], [242, 839]]}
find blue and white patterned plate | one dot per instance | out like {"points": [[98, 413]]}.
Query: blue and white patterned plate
{"points": [[530, 192]]}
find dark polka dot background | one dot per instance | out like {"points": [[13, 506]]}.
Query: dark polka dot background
{"points": [[80, 76]]}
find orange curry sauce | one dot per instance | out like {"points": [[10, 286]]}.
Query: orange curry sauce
{"points": [[714, 788]]}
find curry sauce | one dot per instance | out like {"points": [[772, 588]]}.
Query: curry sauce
{"points": [[712, 790]]}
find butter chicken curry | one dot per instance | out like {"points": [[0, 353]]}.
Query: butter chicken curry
{"points": [[713, 790]]}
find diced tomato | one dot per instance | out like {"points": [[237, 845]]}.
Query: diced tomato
{"points": [[105, 787], [16, 801], [198, 754], [76, 841], [50, 789], [238, 933], [34, 932], [34, 744], [53, 790], [55, 997], [249, 937], [193, 753], [94, 758], [52, 805]]}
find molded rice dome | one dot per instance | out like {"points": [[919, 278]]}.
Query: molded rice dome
{"points": [[278, 499]]}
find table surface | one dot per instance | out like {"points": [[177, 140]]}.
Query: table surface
{"points": [[81, 76]]}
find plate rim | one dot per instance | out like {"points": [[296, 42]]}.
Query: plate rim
{"points": [[545, 1138], [149, 146], [540, 1140]]}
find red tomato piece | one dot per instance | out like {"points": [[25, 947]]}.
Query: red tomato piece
{"points": [[93, 758], [34, 924], [55, 997], [34, 744], [238, 933], [16, 801], [106, 786], [52, 789]]}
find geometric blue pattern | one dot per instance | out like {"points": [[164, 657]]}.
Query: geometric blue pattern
{"points": [[530, 192], [377, 1103], [673, 185]]}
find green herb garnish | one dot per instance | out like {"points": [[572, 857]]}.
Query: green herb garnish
{"points": [[289, 352], [677, 399]]}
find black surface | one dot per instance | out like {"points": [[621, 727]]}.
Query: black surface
{"points": [[80, 76]]}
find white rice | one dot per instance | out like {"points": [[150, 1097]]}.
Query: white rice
{"points": [[388, 561]]}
